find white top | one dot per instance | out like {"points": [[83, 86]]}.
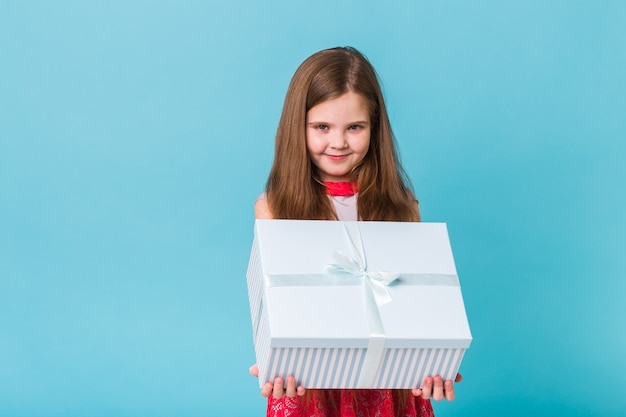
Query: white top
{"points": [[345, 207]]}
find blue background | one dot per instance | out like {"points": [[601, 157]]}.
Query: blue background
{"points": [[135, 136]]}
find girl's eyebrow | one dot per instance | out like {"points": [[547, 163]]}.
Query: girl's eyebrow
{"points": [[358, 122]]}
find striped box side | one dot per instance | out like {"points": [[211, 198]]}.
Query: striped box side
{"points": [[262, 349], [316, 367], [340, 367], [407, 368]]}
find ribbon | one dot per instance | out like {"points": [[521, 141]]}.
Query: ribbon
{"points": [[327, 280], [357, 266], [376, 295]]}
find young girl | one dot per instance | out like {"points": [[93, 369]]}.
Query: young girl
{"points": [[335, 159]]}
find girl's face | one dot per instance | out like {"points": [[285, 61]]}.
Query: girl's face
{"points": [[338, 135]]}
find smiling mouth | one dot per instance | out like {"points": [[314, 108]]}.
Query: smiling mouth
{"points": [[337, 157]]}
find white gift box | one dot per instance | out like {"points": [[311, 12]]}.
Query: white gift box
{"points": [[323, 311]]}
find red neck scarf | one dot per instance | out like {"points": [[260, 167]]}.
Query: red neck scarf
{"points": [[341, 188]]}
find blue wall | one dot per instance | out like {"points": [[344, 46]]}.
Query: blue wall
{"points": [[135, 136]]}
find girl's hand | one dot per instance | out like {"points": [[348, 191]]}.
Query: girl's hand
{"points": [[278, 388], [437, 389]]}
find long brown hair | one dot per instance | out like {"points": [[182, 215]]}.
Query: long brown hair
{"points": [[294, 189]]}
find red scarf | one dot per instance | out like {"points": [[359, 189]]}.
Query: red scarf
{"points": [[341, 188]]}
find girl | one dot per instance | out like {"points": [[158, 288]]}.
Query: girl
{"points": [[335, 159]]}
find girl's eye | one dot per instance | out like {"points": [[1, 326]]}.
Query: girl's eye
{"points": [[322, 127], [354, 127]]}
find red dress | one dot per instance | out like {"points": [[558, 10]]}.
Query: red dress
{"points": [[350, 403]]}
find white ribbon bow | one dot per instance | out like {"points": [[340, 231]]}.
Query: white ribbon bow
{"points": [[357, 266]]}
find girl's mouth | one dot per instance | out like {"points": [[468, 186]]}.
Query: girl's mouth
{"points": [[337, 157]]}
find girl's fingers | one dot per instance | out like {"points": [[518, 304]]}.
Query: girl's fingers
{"points": [[291, 387], [448, 389], [427, 388], [437, 392], [437, 389], [433, 387], [278, 388], [266, 391], [254, 370]]}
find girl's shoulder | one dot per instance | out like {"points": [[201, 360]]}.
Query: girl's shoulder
{"points": [[262, 208]]}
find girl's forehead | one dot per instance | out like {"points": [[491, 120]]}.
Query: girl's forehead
{"points": [[348, 105], [345, 98]]}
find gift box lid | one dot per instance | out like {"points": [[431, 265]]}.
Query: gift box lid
{"points": [[309, 308]]}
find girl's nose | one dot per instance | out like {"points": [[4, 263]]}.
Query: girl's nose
{"points": [[338, 140]]}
